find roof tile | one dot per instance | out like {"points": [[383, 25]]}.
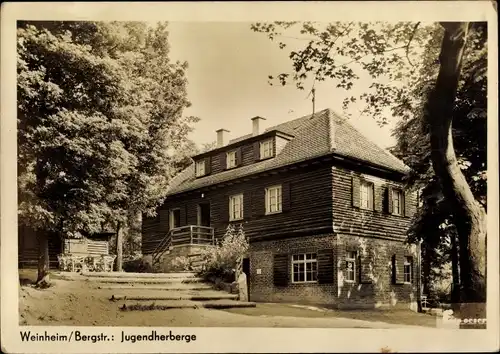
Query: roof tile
{"points": [[312, 138]]}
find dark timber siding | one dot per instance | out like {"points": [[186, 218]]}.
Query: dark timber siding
{"points": [[307, 206], [355, 221]]}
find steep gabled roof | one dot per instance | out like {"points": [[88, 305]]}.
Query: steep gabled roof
{"points": [[315, 135]]}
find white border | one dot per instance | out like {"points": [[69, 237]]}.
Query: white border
{"points": [[244, 339]]}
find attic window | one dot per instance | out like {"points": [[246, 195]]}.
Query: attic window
{"points": [[200, 168], [266, 149], [231, 160]]}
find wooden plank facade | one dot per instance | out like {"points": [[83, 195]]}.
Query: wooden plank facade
{"points": [[339, 236]]}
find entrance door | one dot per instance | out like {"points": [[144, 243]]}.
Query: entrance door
{"points": [[246, 270], [175, 218], [204, 214]]}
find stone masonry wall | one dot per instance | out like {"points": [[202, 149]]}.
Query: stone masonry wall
{"points": [[178, 251], [373, 285], [261, 285]]}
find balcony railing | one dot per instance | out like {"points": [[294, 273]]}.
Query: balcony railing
{"points": [[192, 235], [184, 235]]}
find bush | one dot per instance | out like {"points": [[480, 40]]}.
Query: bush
{"points": [[137, 266], [181, 263], [222, 259]]}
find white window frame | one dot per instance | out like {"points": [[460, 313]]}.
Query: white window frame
{"points": [[236, 207], [350, 257], [274, 193], [305, 261], [231, 159], [366, 191], [397, 195], [407, 270], [266, 149], [171, 218], [200, 168]]}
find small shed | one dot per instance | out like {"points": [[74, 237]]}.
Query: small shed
{"points": [[88, 253]]}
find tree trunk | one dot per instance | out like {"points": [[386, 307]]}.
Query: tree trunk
{"points": [[470, 217], [426, 270], [119, 247], [455, 285], [43, 259]]}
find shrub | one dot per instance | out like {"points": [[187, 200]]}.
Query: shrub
{"points": [[222, 259], [181, 263], [137, 266]]}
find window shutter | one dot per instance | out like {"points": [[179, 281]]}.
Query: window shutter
{"points": [[247, 205], [259, 202], [355, 192], [280, 270], [409, 204], [256, 151], [401, 270], [222, 158], [285, 196], [389, 199], [325, 266], [238, 156], [378, 200], [224, 210], [208, 165], [364, 268]]}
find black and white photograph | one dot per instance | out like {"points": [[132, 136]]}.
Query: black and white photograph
{"points": [[170, 180]]}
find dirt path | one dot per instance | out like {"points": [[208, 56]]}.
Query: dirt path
{"points": [[82, 303]]}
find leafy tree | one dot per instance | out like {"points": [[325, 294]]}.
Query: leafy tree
{"points": [[99, 125], [433, 225], [397, 57]]}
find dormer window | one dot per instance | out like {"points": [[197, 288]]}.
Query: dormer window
{"points": [[231, 159], [200, 168], [266, 149]]}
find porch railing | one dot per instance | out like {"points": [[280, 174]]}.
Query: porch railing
{"points": [[184, 235]]}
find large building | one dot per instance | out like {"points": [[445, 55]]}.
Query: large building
{"points": [[324, 208]]}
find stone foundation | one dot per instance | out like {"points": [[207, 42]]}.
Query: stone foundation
{"points": [[373, 286], [165, 264]]}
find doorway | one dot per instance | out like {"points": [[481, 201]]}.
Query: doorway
{"points": [[204, 214], [246, 270]]}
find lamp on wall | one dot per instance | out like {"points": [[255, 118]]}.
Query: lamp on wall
{"points": [[203, 195]]}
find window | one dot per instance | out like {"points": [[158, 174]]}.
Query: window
{"points": [[304, 268], [231, 159], [174, 218], [397, 202], [236, 207], [200, 168], [407, 270], [350, 266], [366, 195], [273, 200], [266, 149]]}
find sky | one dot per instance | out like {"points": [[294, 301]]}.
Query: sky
{"points": [[228, 71]]}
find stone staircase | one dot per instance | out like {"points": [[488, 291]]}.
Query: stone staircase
{"points": [[159, 291]]}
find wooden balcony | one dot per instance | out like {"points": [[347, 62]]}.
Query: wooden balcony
{"points": [[192, 235]]}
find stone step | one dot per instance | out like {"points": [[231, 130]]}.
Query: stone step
{"points": [[182, 304], [159, 287], [172, 295], [139, 275], [144, 280]]}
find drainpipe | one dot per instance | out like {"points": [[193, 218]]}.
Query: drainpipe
{"points": [[419, 279]]}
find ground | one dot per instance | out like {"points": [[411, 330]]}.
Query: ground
{"points": [[69, 303]]}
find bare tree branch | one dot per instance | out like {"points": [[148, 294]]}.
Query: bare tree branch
{"points": [[409, 42]]}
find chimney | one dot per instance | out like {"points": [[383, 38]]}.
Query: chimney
{"points": [[255, 125], [221, 137]]}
